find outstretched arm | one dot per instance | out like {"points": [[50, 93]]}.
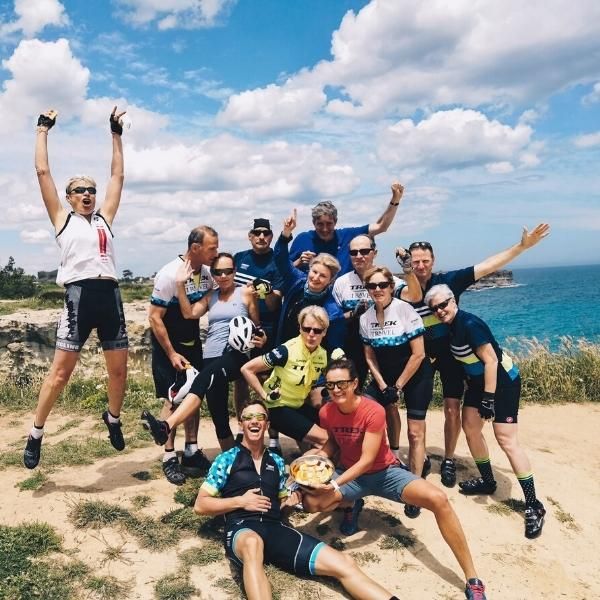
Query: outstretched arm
{"points": [[117, 169], [50, 197], [528, 240], [385, 220]]}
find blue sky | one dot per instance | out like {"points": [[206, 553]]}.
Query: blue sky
{"points": [[487, 112]]}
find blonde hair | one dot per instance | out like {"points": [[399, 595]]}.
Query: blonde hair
{"points": [[318, 313], [374, 270], [89, 180], [328, 261]]}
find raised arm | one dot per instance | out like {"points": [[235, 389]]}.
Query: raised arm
{"points": [[385, 220], [117, 169], [412, 292], [55, 210], [497, 261], [188, 310]]}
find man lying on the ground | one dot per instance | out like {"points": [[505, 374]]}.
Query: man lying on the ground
{"points": [[367, 467], [246, 484]]}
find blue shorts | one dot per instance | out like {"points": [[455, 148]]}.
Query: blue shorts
{"points": [[284, 546], [388, 483]]}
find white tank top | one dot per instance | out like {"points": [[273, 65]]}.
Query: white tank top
{"points": [[86, 249]]}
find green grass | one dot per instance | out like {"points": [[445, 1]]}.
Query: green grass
{"points": [[210, 552], [107, 587], [397, 541], [96, 514], [35, 482], [563, 517], [141, 501], [174, 587], [186, 494], [184, 519]]}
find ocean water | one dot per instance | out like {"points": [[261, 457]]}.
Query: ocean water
{"points": [[546, 304]]}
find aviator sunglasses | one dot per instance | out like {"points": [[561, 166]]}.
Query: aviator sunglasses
{"points": [[83, 190]]}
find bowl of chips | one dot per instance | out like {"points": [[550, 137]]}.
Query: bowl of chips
{"points": [[312, 470]]}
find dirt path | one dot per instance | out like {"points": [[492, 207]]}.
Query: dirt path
{"points": [[564, 448]]}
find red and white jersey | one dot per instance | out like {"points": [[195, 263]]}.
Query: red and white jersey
{"points": [[86, 249]]}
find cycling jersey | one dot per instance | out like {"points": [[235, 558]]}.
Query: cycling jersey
{"points": [[86, 249], [164, 294], [349, 290], [220, 314], [233, 473], [295, 371]]}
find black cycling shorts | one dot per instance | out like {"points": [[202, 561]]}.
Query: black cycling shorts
{"points": [[452, 374], [507, 400], [163, 372], [284, 547], [417, 393], [294, 422], [92, 304]]}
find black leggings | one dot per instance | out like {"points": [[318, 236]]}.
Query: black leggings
{"points": [[212, 383]]}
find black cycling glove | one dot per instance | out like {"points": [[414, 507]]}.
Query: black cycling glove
{"points": [[487, 408]]}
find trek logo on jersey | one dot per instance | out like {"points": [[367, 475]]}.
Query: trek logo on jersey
{"points": [[375, 324], [348, 430], [357, 287], [270, 468]]}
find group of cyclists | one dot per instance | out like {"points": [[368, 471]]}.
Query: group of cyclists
{"points": [[323, 344]]}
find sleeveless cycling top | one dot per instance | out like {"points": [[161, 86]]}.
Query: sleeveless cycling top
{"points": [[219, 315]]}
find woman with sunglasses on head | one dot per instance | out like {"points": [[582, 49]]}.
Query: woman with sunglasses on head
{"points": [[88, 272], [392, 334], [307, 289], [493, 393], [295, 367], [350, 294], [222, 305]]}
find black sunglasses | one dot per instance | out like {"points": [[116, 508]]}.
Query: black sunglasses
{"points": [[342, 384], [441, 305], [315, 330], [361, 251], [83, 190], [217, 272], [422, 245], [259, 232], [382, 285]]}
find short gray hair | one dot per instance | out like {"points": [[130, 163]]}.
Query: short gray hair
{"points": [[324, 209], [440, 288]]}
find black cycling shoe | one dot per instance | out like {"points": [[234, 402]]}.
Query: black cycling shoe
{"points": [[426, 467], [534, 520], [172, 471], [195, 465], [115, 435], [412, 511], [159, 430], [33, 449], [476, 486], [448, 472]]}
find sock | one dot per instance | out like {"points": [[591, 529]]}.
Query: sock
{"points": [[111, 418], [36, 432], [190, 448], [169, 454], [528, 487], [273, 442], [485, 469], [395, 452]]}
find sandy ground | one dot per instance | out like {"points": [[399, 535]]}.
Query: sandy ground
{"points": [[563, 445]]}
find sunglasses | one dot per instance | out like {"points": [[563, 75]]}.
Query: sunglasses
{"points": [[382, 285], [342, 384], [259, 232], [315, 330], [83, 190], [441, 305], [258, 416], [422, 245], [361, 251], [219, 272]]}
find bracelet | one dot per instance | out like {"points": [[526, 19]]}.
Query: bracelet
{"points": [[394, 203], [335, 485]]}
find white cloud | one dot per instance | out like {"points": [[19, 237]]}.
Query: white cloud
{"points": [[396, 56], [156, 228], [44, 75], [36, 236], [453, 139], [593, 96], [34, 15], [588, 140], [273, 108], [171, 14]]}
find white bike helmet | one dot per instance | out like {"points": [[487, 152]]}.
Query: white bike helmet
{"points": [[183, 382], [241, 330]]}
